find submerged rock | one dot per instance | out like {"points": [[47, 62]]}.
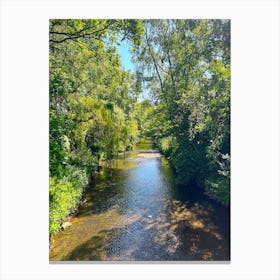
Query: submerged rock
{"points": [[66, 225]]}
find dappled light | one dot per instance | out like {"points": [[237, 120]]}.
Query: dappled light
{"points": [[149, 155], [122, 218], [139, 139], [91, 227]]}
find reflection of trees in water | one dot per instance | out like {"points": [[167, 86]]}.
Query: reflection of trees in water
{"points": [[118, 222]]}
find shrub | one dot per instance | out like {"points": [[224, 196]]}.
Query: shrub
{"points": [[218, 186], [167, 145], [65, 195]]}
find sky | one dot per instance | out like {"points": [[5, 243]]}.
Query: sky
{"points": [[123, 49], [126, 58]]}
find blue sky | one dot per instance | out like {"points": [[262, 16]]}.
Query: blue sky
{"points": [[126, 57], [123, 49]]}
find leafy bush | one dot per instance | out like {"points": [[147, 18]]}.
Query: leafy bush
{"points": [[218, 187], [167, 145], [65, 195]]}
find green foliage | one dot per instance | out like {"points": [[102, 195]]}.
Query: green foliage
{"points": [[59, 126], [64, 197], [186, 64], [94, 113], [218, 186], [144, 114], [167, 145], [91, 104]]}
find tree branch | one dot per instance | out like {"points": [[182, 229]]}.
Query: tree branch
{"points": [[154, 61], [78, 34]]}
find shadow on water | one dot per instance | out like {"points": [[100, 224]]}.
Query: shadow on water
{"points": [[135, 211], [104, 193], [184, 233]]}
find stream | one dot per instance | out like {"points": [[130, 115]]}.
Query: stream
{"points": [[135, 211]]}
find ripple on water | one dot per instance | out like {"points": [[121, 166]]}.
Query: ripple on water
{"points": [[135, 211]]}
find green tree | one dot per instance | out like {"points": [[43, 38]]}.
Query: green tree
{"points": [[91, 104], [188, 64]]}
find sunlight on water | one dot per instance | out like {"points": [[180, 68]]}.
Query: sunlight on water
{"points": [[135, 211]]}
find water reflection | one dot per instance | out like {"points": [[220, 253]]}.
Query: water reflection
{"points": [[135, 211]]}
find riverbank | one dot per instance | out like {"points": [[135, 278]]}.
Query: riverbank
{"points": [[68, 195], [64, 203], [134, 211], [215, 182]]}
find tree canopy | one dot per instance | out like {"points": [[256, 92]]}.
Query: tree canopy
{"points": [[95, 110], [188, 65], [91, 103]]}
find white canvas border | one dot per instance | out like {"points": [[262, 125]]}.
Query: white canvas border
{"points": [[255, 138]]}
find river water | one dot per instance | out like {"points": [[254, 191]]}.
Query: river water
{"points": [[135, 211]]}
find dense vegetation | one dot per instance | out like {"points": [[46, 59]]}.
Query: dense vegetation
{"points": [[95, 111], [92, 104], [186, 64]]}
